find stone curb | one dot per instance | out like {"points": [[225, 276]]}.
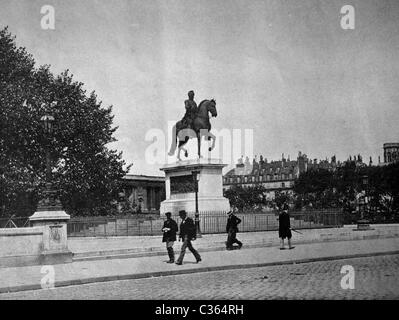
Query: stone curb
{"points": [[64, 283]]}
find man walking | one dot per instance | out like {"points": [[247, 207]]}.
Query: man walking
{"points": [[187, 234], [284, 227], [231, 228], [169, 230]]}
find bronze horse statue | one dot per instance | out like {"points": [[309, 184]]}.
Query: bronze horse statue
{"points": [[201, 127]]}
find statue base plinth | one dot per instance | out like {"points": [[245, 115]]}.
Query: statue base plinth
{"points": [[214, 204], [55, 245], [180, 186]]}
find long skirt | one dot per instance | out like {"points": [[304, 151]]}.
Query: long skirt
{"points": [[284, 233]]}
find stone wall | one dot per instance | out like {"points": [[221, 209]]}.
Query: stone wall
{"points": [[21, 246], [43, 243]]}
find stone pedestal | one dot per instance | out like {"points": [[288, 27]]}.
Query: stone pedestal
{"points": [[180, 186], [55, 245]]}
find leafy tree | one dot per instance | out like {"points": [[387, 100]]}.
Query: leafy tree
{"points": [[317, 188], [280, 199], [389, 191], [247, 198], [314, 181], [348, 180], [86, 171], [349, 185]]}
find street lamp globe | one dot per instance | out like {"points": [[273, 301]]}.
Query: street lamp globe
{"points": [[47, 123], [195, 174]]}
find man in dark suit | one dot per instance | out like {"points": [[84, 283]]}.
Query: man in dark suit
{"points": [[284, 227], [232, 228], [169, 230], [188, 233]]}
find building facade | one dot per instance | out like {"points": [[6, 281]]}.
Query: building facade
{"points": [[275, 175], [391, 152], [143, 193]]}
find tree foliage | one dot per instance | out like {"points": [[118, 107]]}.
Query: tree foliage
{"points": [[316, 188], [86, 171], [247, 198], [349, 185]]}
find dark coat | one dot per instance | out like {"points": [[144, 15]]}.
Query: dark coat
{"points": [[191, 112], [187, 228], [232, 223], [284, 225], [171, 234]]}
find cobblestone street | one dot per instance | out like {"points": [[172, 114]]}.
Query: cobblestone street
{"points": [[375, 278]]}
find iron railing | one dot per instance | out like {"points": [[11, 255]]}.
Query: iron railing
{"points": [[14, 222], [210, 222]]}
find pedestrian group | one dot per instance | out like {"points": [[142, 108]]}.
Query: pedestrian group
{"points": [[188, 233]]}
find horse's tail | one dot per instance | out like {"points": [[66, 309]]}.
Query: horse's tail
{"points": [[174, 142]]}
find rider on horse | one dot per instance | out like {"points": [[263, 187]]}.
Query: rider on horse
{"points": [[195, 119], [191, 110]]}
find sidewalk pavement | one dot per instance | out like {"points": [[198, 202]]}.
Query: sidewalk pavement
{"points": [[92, 248], [95, 248], [82, 272]]}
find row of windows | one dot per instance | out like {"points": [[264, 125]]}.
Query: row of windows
{"points": [[246, 179], [275, 185], [391, 156]]}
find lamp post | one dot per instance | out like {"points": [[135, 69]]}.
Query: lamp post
{"points": [[363, 224], [49, 215], [47, 124], [49, 202], [365, 181], [195, 174]]}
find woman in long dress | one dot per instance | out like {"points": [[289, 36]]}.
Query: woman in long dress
{"points": [[284, 228]]}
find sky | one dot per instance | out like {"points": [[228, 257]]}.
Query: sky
{"points": [[284, 69]]}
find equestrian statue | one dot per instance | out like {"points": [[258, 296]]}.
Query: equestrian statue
{"points": [[195, 124]]}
